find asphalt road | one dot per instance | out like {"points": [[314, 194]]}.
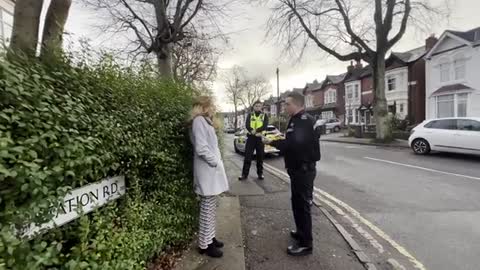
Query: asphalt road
{"points": [[430, 205]]}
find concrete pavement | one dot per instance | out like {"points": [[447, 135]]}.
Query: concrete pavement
{"points": [[340, 138]]}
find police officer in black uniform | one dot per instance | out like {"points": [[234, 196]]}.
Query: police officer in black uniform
{"points": [[302, 150]]}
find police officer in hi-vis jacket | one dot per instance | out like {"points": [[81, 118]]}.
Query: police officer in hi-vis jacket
{"points": [[256, 124]]}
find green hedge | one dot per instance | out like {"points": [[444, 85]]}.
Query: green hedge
{"points": [[64, 126]]}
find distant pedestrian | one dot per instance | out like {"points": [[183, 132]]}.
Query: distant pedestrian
{"points": [[256, 124], [302, 150], [209, 174]]}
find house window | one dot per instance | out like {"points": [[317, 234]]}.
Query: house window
{"points": [[462, 100], [454, 105], [446, 106], [402, 108], [349, 92], [444, 72], [460, 69], [391, 83], [6, 26], [328, 115], [350, 116], [330, 96], [357, 91]]}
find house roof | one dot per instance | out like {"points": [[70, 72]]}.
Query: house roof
{"points": [[452, 87], [298, 90], [472, 35], [358, 73], [412, 55], [470, 38], [336, 78], [315, 85]]}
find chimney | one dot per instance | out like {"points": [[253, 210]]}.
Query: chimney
{"points": [[350, 68], [430, 42], [358, 65]]}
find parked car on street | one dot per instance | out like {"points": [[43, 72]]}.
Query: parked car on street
{"points": [[229, 130], [458, 135], [271, 132], [334, 125]]}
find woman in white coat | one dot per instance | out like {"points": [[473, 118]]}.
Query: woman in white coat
{"points": [[209, 175]]}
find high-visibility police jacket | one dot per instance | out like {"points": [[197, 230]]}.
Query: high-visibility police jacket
{"points": [[257, 122]]}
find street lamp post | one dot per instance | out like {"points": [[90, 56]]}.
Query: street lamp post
{"points": [[278, 97]]}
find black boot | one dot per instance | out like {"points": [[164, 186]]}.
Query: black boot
{"points": [[217, 243], [212, 251], [299, 250], [260, 176], [243, 177]]}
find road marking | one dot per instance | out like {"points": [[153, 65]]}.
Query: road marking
{"points": [[357, 215], [374, 228], [357, 227], [422, 168]]}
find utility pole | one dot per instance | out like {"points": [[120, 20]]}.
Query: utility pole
{"points": [[278, 98]]}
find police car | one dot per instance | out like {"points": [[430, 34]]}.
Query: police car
{"points": [[272, 133]]}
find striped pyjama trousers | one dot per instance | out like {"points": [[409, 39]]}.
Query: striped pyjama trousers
{"points": [[208, 205]]}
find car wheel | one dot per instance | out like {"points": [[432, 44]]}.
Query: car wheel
{"points": [[235, 147], [421, 147], [336, 129]]}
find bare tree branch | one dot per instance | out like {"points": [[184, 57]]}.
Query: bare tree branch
{"points": [[403, 26], [160, 24]]}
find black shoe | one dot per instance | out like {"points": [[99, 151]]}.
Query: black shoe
{"points": [[243, 177], [296, 250], [295, 235], [261, 177], [212, 251], [217, 243]]}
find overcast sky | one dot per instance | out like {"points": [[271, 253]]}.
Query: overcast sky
{"points": [[248, 47]]}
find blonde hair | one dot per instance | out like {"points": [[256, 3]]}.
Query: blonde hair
{"points": [[203, 106]]}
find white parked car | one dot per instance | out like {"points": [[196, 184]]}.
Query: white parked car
{"points": [[334, 125], [458, 135]]}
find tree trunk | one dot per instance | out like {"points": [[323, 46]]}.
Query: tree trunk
{"points": [[54, 24], [25, 26], [236, 118], [164, 58], [384, 132]]}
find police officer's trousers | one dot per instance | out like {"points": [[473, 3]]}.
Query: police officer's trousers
{"points": [[301, 181], [253, 144]]}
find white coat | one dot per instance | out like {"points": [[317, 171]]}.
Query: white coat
{"points": [[208, 171]]}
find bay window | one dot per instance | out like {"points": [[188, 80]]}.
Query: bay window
{"points": [[453, 105]]}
